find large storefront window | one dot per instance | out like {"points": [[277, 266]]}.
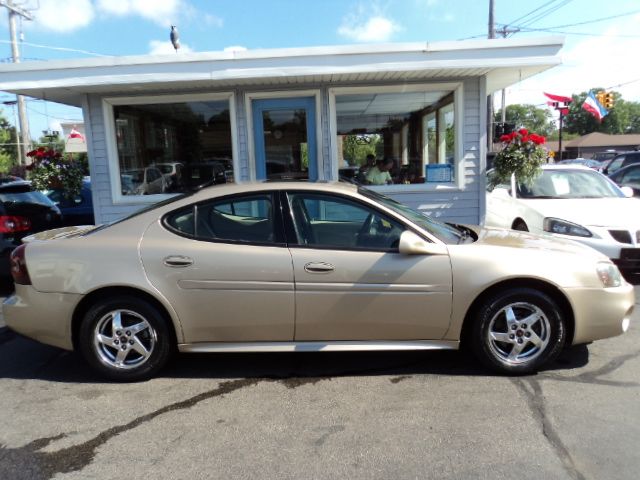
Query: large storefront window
{"points": [[396, 137], [172, 147]]}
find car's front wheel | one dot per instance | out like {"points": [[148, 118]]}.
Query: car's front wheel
{"points": [[518, 330], [125, 338]]}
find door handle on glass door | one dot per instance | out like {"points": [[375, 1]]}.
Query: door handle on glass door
{"points": [[177, 261], [319, 267]]}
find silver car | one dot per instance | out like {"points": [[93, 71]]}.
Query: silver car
{"points": [[302, 267]]}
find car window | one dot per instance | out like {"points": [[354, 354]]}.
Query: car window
{"points": [[183, 220], [631, 175], [615, 164], [239, 219], [329, 221]]}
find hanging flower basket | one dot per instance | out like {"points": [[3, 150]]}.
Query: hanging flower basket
{"points": [[49, 170], [522, 154]]}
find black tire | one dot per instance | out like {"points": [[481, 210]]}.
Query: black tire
{"points": [[137, 350], [520, 225], [504, 342]]}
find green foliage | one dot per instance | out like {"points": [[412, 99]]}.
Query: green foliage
{"points": [[355, 148], [528, 116], [521, 155], [50, 170], [8, 150]]}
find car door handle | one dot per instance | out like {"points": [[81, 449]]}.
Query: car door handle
{"points": [[318, 267], [177, 261]]}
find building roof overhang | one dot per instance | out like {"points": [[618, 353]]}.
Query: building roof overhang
{"points": [[502, 61]]}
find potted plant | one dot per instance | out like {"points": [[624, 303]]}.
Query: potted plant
{"points": [[49, 170], [522, 155]]}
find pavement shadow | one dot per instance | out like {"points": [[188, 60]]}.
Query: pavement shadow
{"points": [[21, 358]]}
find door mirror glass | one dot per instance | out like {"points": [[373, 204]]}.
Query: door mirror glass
{"points": [[412, 244]]}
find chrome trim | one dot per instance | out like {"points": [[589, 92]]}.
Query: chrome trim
{"points": [[330, 346], [235, 285]]}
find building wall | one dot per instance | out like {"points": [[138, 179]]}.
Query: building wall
{"points": [[443, 202]]}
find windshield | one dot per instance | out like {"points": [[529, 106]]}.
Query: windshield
{"points": [[24, 195], [446, 233], [569, 184]]}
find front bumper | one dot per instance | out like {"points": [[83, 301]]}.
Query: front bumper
{"points": [[45, 317], [600, 312]]}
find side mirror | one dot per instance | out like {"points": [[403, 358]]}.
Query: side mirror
{"points": [[412, 244], [628, 191]]}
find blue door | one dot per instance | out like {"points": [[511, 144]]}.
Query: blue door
{"points": [[285, 138]]}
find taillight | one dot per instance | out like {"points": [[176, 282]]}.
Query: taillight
{"points": [[14, 224], [18, 264]]}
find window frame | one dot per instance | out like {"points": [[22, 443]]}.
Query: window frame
{"points": [[113, 159], [458, 108], [280, 237], [290, 230]]}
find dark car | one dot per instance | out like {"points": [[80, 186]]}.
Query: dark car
{"points": [[198, 175], [77, 210], [23, 211], [621, 160], [628, 176]]}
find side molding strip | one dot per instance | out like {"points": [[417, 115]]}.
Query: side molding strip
{"points": [[329, 346]]}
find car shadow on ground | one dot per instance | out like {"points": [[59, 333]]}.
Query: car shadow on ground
{"points": [[21, 358]]}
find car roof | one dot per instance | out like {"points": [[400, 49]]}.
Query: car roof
{"points": [[568, 166], [16, 183], [257, 186]]}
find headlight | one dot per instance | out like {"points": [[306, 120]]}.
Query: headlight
{"points": [[555, 225], [609, 274]]}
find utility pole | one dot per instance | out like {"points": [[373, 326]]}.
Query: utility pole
{"points": [[15, 12], [491, 35], [504, 31]]}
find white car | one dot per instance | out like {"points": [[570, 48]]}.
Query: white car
{"points": [[572, 202]]}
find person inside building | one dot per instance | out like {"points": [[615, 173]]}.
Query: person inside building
{"points": [[379, 175]]}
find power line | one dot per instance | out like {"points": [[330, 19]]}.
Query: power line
{"points": [[531, 12], [583, 34], [62, 49], [633, 12], [546, 12]]}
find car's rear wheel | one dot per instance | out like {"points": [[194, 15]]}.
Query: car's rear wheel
{"points": [[518, 330], [125, 338]]}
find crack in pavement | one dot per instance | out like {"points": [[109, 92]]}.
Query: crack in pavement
{"points": [[593, 377], [44, 465], [535, 400]]}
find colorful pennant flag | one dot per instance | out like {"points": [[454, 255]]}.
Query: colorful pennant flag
{"points": [[594, 107]]}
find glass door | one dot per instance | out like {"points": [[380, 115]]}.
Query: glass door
{"points": [[285, 138]]}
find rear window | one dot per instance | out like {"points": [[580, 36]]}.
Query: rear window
{"points": [[23, 194]]}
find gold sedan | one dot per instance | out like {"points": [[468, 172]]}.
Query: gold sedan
{"points": [[307, 267]]}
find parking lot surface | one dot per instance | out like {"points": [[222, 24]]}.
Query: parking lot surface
{"points": [[311, 415]]}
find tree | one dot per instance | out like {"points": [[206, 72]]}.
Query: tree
{"points": [[8, 147], [624, 117], [527, 116]]}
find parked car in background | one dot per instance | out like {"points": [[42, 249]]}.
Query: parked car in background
{"points": [[573, 203], [628, 176], [22, 212], [145, 181], [305, 266], [172, 173], [77, 210], [198, 175], [620, 161], [604, 156], [586, 162]]}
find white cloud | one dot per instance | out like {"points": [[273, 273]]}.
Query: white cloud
{"points": [[374, 29], [235, 48], [164, 47], [604, 61], [162, 12], [64, 17]]}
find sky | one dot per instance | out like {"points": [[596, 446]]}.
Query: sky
{"points": [[602, 39]]}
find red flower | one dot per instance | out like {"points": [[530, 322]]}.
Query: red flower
{"points": [[505, 138], [537, 139], [524, 132], [525, 137]]}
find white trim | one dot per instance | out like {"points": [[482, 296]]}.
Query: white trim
{"points": [[250, 96], [482, 152], [112, 149], [458, 100]]}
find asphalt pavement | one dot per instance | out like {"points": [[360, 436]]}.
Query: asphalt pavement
{"points": [[323, 415]]}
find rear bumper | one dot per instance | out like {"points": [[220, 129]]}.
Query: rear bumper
{"points": [[45, 317], [601, 313]]}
